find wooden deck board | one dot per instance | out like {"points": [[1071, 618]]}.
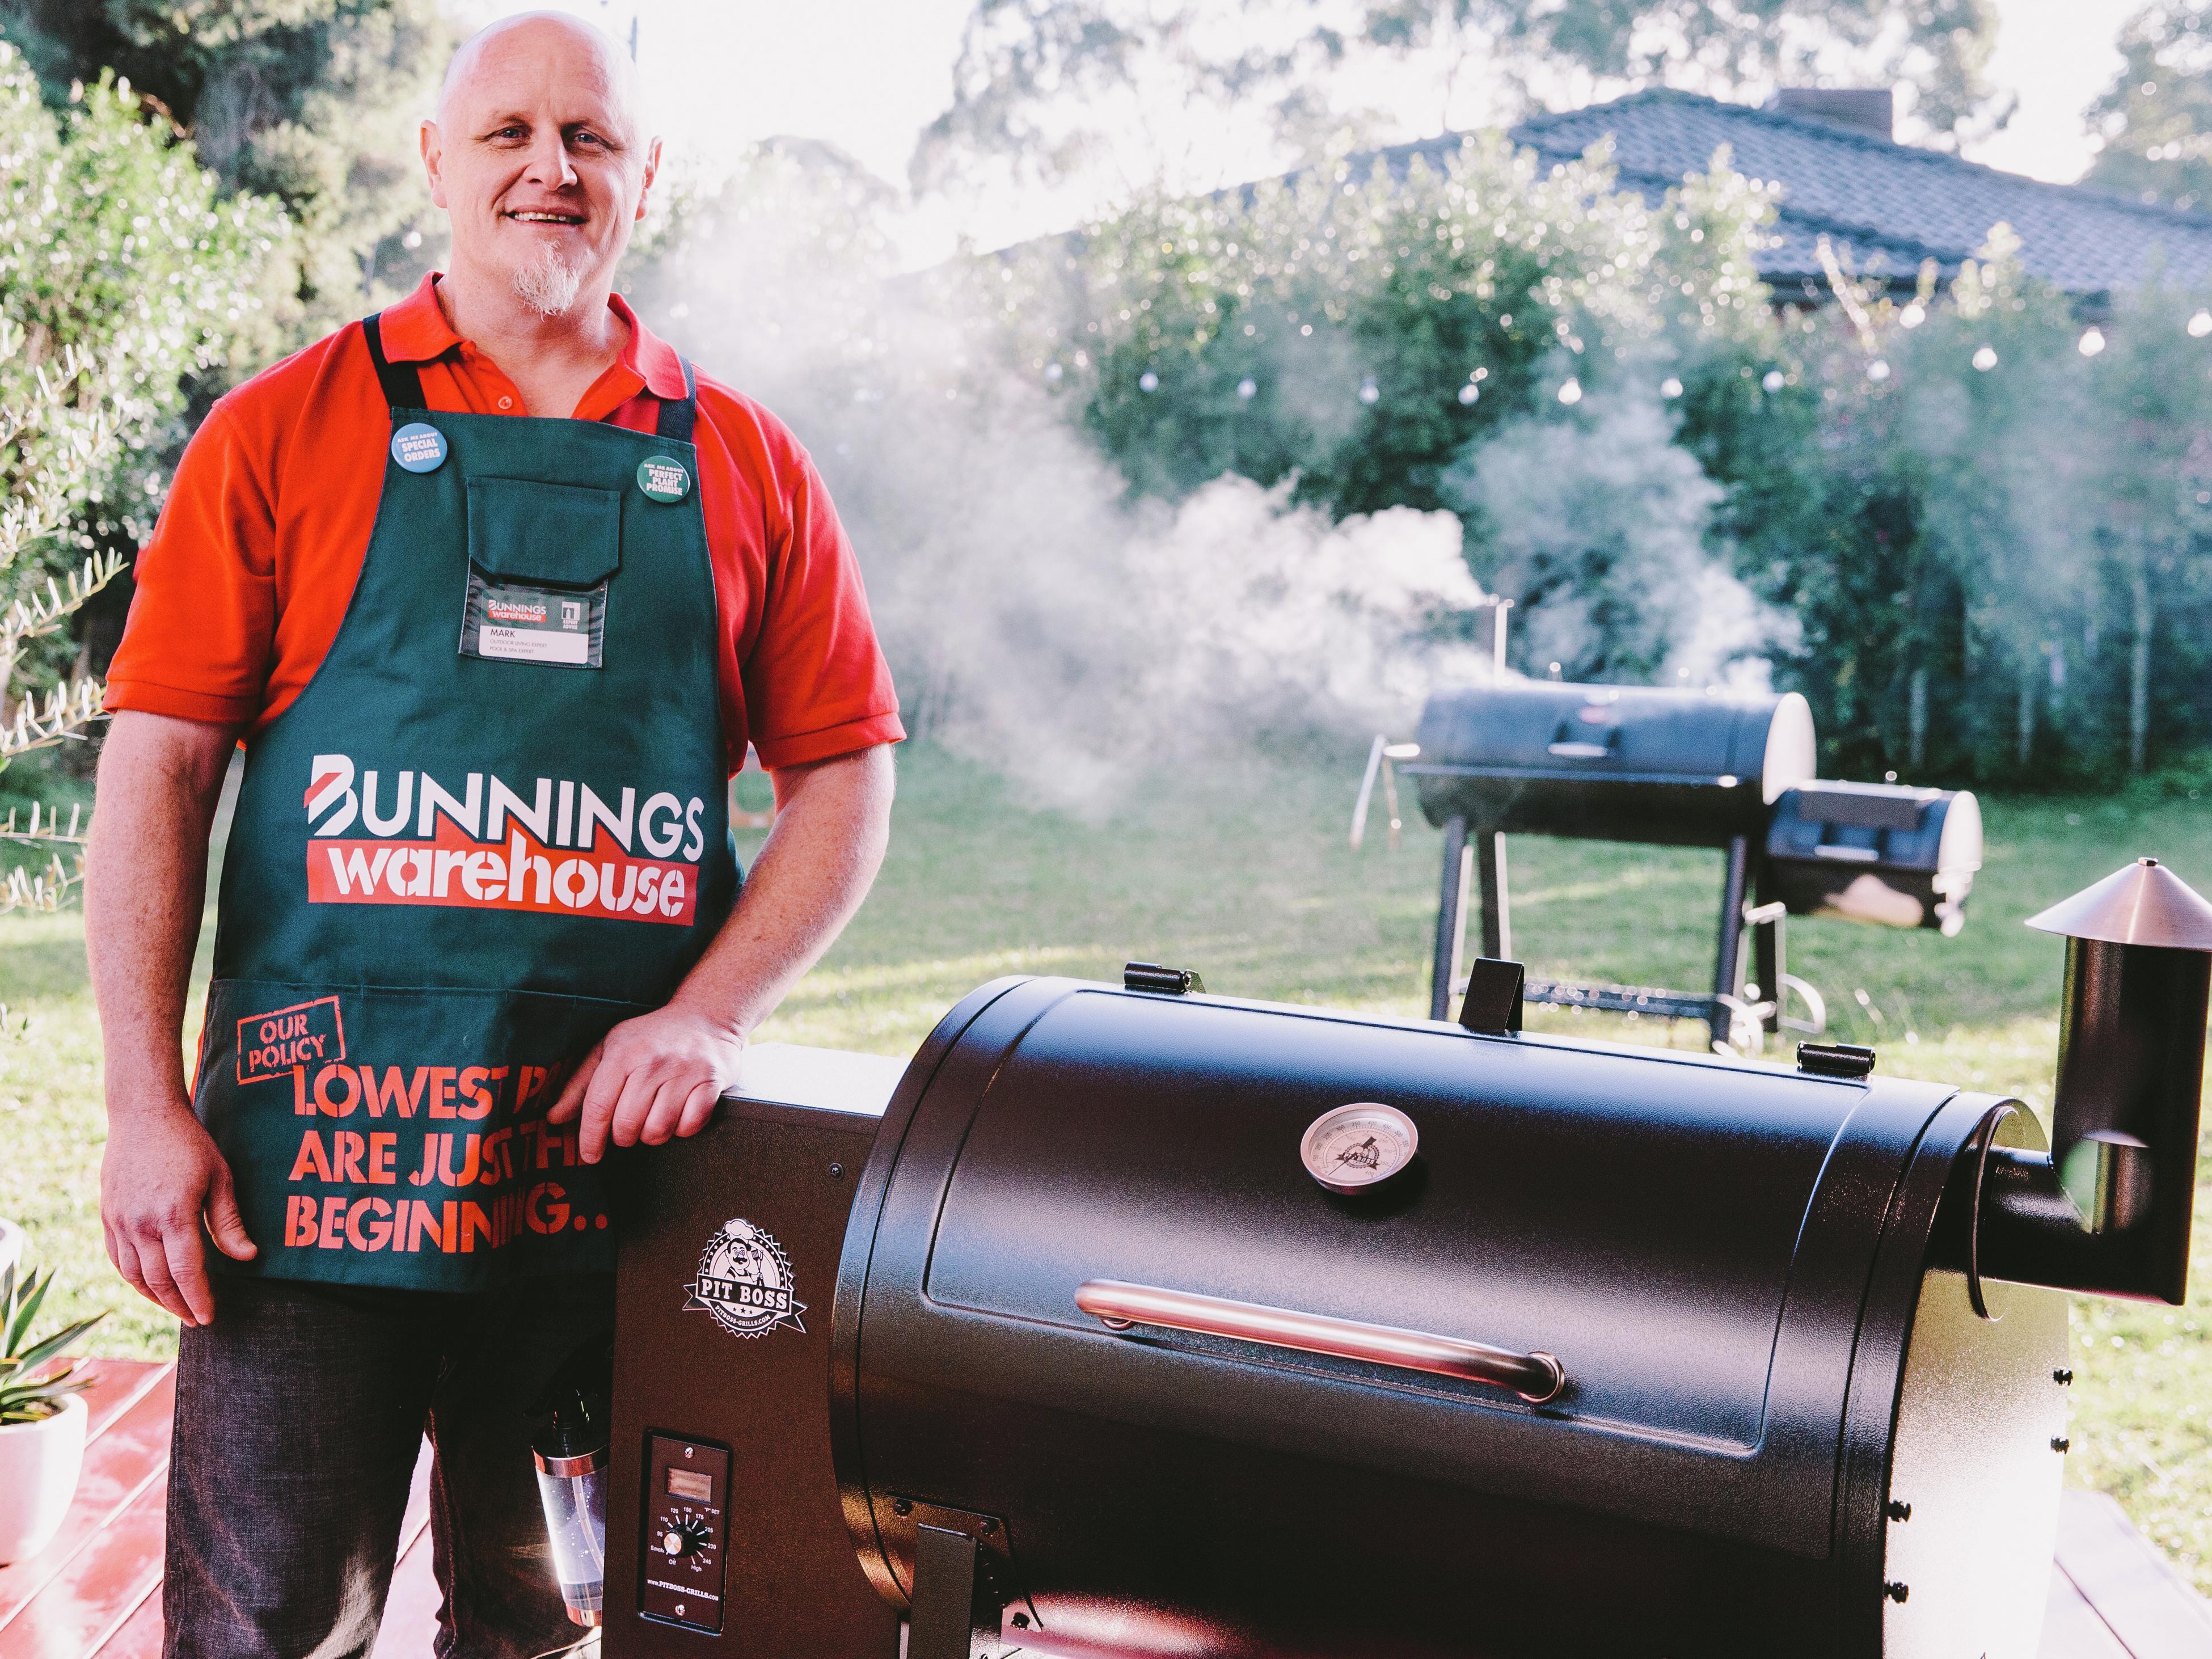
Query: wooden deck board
{"points": [[2150, 1611], [97, 1591], [130, 1405]]}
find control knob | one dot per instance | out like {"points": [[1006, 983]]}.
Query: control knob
{"points": [[685, 1535]]}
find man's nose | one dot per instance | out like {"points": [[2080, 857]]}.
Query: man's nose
{"points": [[549, 161]]}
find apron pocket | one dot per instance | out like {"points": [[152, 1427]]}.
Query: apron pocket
{"points": [[521, 531]]}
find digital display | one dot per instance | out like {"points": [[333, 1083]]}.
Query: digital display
{"points": [[688, 1483]]}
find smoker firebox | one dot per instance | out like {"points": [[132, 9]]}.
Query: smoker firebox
{"points": [[1151, 1323]]}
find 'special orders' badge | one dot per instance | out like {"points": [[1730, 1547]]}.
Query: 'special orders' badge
{"points": [[744, 1282]]}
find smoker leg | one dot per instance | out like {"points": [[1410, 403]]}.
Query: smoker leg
{"points": [[941, 1622], [1451, 918], [1728, 967], [1496, 905], [1771, 960]]}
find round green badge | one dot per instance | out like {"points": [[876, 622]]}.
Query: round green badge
{"points": [[663, 478]]}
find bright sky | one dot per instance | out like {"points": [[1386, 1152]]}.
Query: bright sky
{"points": [[867, 74]]}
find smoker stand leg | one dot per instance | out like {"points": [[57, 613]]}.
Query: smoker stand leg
{"points": [[1770, 955], [941, 1622], [1496, 906], [1451, 919], [1728, 966]]}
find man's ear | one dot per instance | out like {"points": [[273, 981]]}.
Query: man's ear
{"points": [[433, 156], [652, 172]]}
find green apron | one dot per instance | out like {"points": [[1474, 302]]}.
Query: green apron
{"points": [[452, 871]]}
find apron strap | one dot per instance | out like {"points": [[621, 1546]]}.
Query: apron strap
{"points": [[679, 414], [403, 386]]}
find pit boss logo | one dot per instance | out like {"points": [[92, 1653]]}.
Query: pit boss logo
{"points": [[552, 844], [744, 1282]]}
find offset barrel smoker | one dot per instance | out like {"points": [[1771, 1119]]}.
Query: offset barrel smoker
{"points": [[1151, 1324], [1731, 770]]}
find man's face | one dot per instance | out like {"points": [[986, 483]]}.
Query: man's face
{"points": [[537, 158]]}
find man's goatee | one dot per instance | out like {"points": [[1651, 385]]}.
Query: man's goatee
{"points": [[547, 285]]}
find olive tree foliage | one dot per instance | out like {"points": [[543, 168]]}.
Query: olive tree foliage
{"points": [[312, 103], [2154, 123], [1136, 92], [123, 272]]}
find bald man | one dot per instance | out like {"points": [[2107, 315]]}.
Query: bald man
{"points": [[495, 591]]}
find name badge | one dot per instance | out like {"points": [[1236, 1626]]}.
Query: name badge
{"points": [[555, 627]]}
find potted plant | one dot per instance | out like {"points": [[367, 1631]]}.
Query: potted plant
{"points": [[41, 1418]]}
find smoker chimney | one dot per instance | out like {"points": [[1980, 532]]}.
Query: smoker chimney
{"points": [[2107, 1209], [1870, 110]]}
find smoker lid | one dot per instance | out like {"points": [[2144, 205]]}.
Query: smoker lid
{"points": [[2145, 903]]}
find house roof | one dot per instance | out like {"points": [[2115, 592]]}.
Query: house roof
{"points": [[1884, 205]]}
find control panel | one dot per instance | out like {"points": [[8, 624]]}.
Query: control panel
{"points": [[687, 1497]]}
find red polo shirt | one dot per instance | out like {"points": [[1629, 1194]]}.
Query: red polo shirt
{"points": [[247, 577]]}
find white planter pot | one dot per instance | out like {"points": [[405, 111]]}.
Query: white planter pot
{"points": [[11, 1245], [38, 1466]]}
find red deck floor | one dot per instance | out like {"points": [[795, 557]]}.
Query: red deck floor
{"points": [[96, 1590]]}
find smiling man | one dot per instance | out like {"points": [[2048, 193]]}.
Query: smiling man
{"points": [[496, 590]]}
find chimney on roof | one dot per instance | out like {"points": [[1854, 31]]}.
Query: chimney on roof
{"points": [[1870, 110]]}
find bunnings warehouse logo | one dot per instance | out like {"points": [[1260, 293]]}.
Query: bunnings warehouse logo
{"points": [[744, 1282], [559, 846]]}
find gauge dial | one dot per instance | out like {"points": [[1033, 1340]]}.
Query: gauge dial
{"points": [[1356, 1147]]}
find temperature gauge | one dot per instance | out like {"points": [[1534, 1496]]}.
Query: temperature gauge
{"points": [[1358, 1146]]}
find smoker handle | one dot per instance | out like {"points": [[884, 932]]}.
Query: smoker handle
{"points": [[1536, 1378]]}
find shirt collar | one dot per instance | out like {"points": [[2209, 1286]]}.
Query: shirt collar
{"points": [[415, 332]]}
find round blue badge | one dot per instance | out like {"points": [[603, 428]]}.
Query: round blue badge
{"points": [[419, 448]]}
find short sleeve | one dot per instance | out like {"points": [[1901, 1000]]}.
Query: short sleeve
{"points": [[816, 684], [199, 641]]}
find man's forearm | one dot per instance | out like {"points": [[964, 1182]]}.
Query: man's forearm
{"points": [[833, 821], [145, 887]]}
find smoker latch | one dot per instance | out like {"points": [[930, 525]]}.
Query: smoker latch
{"points": [[1493, 995], [1834, 1059], [1151, 977]]}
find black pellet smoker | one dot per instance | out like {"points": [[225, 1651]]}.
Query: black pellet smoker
{"points": [[1132, 1321]]}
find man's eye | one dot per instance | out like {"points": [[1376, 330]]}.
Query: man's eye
{"points": [[508, 132]]}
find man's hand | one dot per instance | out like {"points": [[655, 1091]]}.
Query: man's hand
{"points": [[159, 1176], [650, 1078], [659, 1074]]}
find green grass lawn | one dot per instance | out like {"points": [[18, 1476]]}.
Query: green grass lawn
{"points": [[1242, 872]]}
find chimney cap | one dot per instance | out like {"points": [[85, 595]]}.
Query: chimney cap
{"points": [[1868, 110], [2145, 903]]}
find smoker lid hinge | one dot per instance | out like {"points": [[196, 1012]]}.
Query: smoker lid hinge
{"points": [[1835, 1059], [1151, 977]]}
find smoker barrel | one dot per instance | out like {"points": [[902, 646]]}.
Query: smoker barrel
{"points": [[1611, 763], [1623, 1360], [1881, 853]]}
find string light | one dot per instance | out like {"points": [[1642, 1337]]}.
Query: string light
{"points": [[1986, 359], [2091, 343]]}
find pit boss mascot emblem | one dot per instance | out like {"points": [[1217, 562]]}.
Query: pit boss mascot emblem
{"points": [[744, 1282]]}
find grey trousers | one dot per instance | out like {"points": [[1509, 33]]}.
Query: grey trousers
{"points": [[300, 1411]]}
